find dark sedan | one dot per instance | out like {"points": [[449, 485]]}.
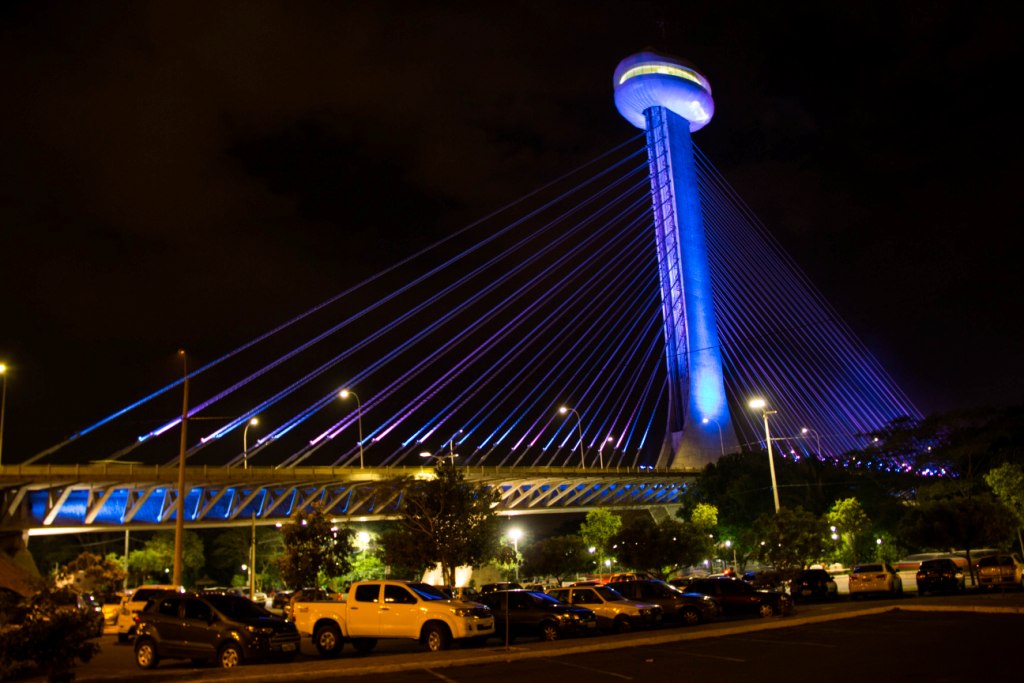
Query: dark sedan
{"points": [[530, 613], [813, 584], [680, 607], [735, 596], [941, 574]]}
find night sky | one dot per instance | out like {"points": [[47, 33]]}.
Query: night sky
{"points": [[190, 174]]}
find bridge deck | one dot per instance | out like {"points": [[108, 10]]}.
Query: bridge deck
{"points": [[114, 496]]}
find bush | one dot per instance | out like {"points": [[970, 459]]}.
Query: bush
{"points": [[41, 634]]}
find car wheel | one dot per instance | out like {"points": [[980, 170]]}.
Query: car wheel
{"points": [[145, 654], [689, 616], [549, 631], [230, 656], [622, 625], [765, 610], [364, 646], [327, 640], [436, 637]]}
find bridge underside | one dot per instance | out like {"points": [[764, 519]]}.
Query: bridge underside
{"points": [[66, 499]]}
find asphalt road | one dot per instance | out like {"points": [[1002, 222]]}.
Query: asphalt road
{"points": [[945, 637]]}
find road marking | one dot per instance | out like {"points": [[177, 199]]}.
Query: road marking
{"points": [[787, 642], [695, 654], [441, 676], [588, 668]]}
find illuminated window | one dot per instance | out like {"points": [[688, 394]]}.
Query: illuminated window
{"points": [[665, 70]]}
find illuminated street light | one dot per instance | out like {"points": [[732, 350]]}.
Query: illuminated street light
{"points": [[344, 393], [759, 404], [817, 438], [579, 424], [514, 534], [721, 442], [3, 409], [450, 456], [245, 442], [363, 541]]}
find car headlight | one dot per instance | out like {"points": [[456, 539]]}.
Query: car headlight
{"points": [[260, 630], [462, 611]]}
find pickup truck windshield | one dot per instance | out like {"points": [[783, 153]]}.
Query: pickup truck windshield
{"points": [[427, 592]]}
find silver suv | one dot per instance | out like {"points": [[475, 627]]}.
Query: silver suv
{"points": [[614, 611]]}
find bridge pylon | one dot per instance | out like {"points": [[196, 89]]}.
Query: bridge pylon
{"points": [[670, 99]]}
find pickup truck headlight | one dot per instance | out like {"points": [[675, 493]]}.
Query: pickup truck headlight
{"points": [[462, 611]]}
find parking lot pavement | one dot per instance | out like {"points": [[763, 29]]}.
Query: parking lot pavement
{"points": [[394, 656]]}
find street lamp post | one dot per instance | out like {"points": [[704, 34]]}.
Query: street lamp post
{"points": [[817, 438], [759, 404], [245, 442], [721, 442], [179, 518], [579, 425], [344, 393], [3, 408], [252, 559], [600, 451]]}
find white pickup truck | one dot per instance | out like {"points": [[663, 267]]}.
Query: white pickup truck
{"points": [[391, 609]]}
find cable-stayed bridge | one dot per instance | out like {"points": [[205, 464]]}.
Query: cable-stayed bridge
{"points": [[530, 348]]}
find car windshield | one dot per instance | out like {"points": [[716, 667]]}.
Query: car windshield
{"points": [[237, 607], [427, 592], [1004, 560], [868, 569], [609, 594], [544, 597]]}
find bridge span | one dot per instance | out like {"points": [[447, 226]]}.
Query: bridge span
{"points": [[54, 499]]}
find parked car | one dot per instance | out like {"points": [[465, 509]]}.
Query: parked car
{"points": [[132, 603], [227, 629], [680, 607], [259, 597], [813, 584], [530, 613], [614, 611], [628, 576], [307, 595], [1000, 570], [941, 574], [682, 582], [499, 586], [875, 578], [736, 596]]}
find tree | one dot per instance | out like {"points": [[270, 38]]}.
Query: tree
{"points": [[943, 521], [597, 531], [314, 547], [156, 558], [93, 574], [561, 557], [850, 521], [660, 549], [1007, 483], [445, 520], [790, 538]]}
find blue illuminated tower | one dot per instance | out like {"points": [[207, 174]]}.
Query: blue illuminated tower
{"points": [[669, 99]]}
